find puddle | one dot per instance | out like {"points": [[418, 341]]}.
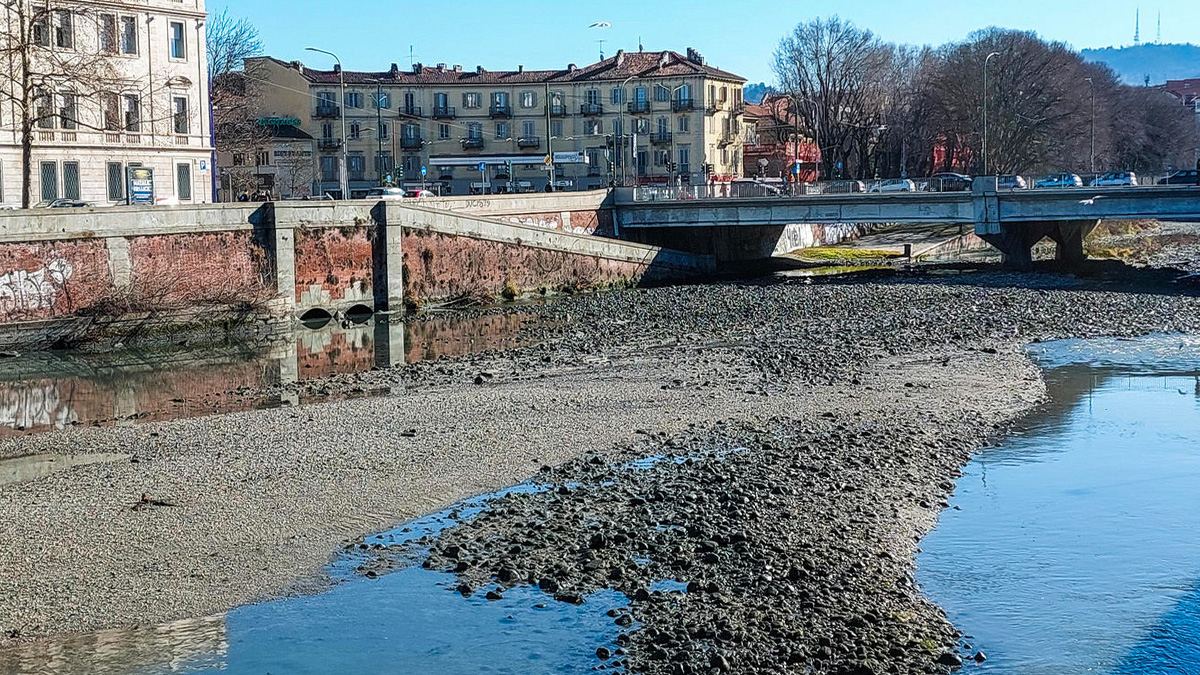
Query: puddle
{"points": [[23, 469], [50, 391], [830, 271]]}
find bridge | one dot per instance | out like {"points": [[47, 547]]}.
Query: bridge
{"points": [[1013, 221]]}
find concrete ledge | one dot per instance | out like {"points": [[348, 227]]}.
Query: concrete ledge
{"points": [[520, 204], [128, 221]]}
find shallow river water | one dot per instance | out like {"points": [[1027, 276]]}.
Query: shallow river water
{"points": [[1075, 546]]}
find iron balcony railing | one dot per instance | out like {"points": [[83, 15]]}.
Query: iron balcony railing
{"points": [[500, 110], [558, 110], [443, 112], [410, 111], [329, 143], [529, 142], [639, 107], [327, 111], [682, 104], [715, 107], [410, 142], [591, 109], [472, 143], [661, 138]]}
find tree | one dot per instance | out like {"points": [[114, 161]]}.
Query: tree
{"points": [[58, 73], [230, 42], [235, 97]]}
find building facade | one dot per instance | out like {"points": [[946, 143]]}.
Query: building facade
{"points": [[116, 84], [778, 143], [636, 118], [1188, 93]]}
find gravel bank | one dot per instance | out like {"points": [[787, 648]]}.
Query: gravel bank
{"points": [[857, 403]]}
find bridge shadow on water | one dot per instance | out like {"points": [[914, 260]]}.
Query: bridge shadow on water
{"points": [[1171, 647]]}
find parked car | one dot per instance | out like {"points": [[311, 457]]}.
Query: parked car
{"points": [[1059, 180], [1115, 179], [1184, 177], [386, 194], [1010, 183], [63, 204], [418, 194], [894, 185], [949, 182], [325, 197]]}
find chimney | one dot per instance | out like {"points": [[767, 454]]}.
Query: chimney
{"points": [[520, 69], [457, 68], [620, 57], [418, 67], [337, 68], [441, 67], [394, 70], [570, 67], [664, 59], [478, 70], [298, 66]]}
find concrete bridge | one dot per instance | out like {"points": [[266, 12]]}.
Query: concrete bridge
{"points": [[1013, 221]]}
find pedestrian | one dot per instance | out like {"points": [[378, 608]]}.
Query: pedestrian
{"points": [[243, 197]]}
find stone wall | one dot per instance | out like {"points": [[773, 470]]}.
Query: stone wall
{"points": [[334, 266], [48, 279]]}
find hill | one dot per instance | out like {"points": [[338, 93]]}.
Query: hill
{"points": [[1158, 62]]}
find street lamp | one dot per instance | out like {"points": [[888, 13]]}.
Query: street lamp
{"points": [[621, 126], [985, 110], [1092, 86], [343, 173]]}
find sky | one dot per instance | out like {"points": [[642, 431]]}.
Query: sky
{"points": [[736, 36]]}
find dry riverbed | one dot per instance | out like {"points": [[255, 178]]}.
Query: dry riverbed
{"points": [[823, 424]]}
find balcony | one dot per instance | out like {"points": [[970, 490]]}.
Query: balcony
{"points": [[739, 108], [498, 110], [329, 143], [327, 112], [715, 107], [639, 107], [472, 144], [682, 105], [558, 110], [444, 112], [727, 138], [661, 138], [409, 142], [527, 142], [591, 109], [410, 111]]}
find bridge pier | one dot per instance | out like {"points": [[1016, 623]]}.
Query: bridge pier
{"points": [[1015, 241]]}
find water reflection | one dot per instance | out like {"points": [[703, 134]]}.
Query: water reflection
{"points": [[1071, 549], [56, 390], [32, 467]]}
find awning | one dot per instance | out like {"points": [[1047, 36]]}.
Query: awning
{"points": [[490, 160]]}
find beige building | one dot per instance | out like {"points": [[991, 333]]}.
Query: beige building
{"points": [[635, 118], [117, 84]]}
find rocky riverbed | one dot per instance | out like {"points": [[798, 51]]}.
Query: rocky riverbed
{"points": [[807, 435]]}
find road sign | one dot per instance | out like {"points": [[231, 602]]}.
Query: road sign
{"points": [[482, 167], [548, 161], [796, 168], [424, 171]]}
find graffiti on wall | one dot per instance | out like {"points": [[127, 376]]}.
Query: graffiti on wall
{"points": [[29, 405], [31, 292]]}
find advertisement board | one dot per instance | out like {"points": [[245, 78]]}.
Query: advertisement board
{"points": [[569, 158], [139, 183]]}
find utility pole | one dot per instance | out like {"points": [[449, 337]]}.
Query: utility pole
{"points": [[549, 137], [621, 126], [379, 129], [1092, 85], [343, 174], [985, 110]]}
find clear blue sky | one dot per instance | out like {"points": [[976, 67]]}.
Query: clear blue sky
{"points": [[736, 36]]}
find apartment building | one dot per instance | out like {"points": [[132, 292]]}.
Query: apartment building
{"points": [[117, 84], [635, 118]]}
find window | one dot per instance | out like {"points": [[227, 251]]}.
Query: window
{"points": [[64, 29], [685, 159], [70, 180], [412, 165], [133, 114], [661, 157], [182, 121], [178, 42], [44, 109], [556, 99], [556, 128], [618, 95], [618, 127], [262, 158], [528, 129], [662, 94], [355, 131], [381, 100], [593, 127], [239, 159], [116, 181], [384, 163], [684, 124], [329, 169], [642, 126], [639, 95], [413, 130], [443, 132], [724, 94], [502, 130], [325, 99], [471, 100], [475, 130], [528, 99], [327, 130], [108, 33], [500, 99], [41, 29], [440, 101], [356, 166], [354, 99], [68, 112], [410, 100], [664, 126], [385, 130], [592, 97], [49, 181], [129, 41], [183, 181], [112, 112]]}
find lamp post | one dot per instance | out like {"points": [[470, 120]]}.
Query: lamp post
{"points": [[343, 175], [816, 134], [985, 110], [621, 126], [671, 164], [1092, 86]]}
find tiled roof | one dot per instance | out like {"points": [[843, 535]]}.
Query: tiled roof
{"points": [[644, 65]]}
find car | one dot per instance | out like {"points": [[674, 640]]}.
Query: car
{"points": [[894, 185], [1115, 179], [326, 197], [949, 182], [418, 194], [1184, 177], [386, 194], [63, 204], [1010, 183], [1059, 180]]}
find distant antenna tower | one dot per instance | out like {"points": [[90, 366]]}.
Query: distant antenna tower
{"points": [[1137, 27], [1158, 38], [601, 49], [411, 58]]}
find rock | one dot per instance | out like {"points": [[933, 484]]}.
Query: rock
{"points": [[979, 657], [603, 654], [548, 585], [493, 595], [624, 621], [719, 662], [950, 659]]}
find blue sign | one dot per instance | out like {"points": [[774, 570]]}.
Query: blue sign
{"points": [[482, 167], [796, 168], [424, 171], [140, 185]]}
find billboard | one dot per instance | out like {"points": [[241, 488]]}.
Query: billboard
{"points": [[569, 158], [139, 183]]}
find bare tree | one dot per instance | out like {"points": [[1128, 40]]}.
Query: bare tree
{"points": [[235, 96], [62, 74], [230, 42]]}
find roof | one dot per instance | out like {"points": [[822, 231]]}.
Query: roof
{"points": [[1187, 90], [289, 132], [638, 65]]}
